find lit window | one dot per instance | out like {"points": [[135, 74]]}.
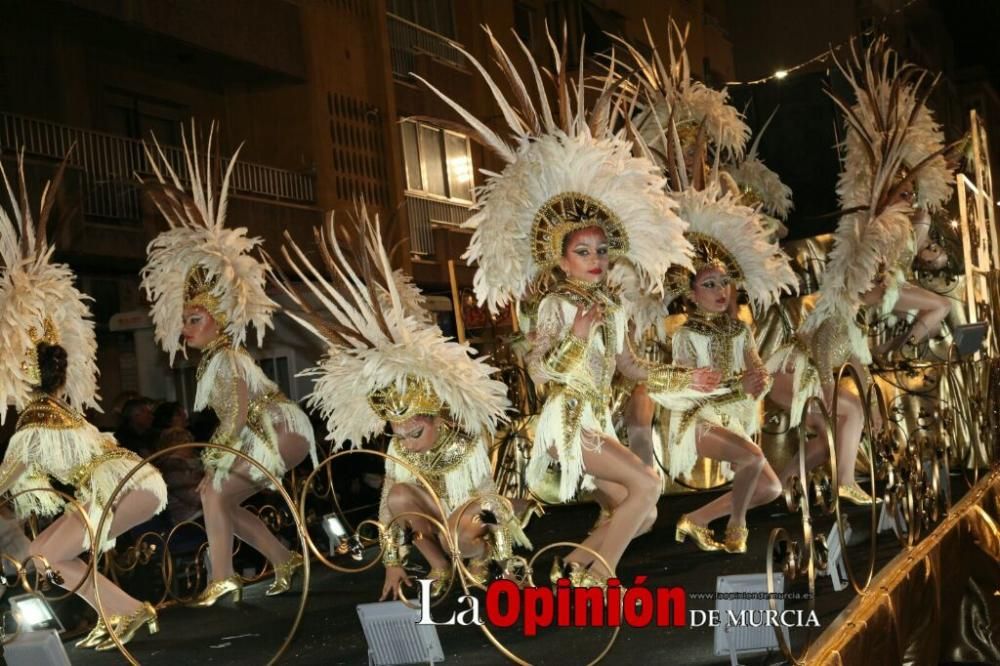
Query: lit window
{"points": [[438, 162]]}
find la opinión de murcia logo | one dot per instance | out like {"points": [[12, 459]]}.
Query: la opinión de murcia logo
{"points": [[637, 606]]}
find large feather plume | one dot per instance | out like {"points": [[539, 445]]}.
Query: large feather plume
{"points": [[668, 96], [198, 236], [375, 341], [568, 147], [889, 129], [32, 289]]}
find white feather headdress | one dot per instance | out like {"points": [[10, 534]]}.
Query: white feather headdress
{"points": [[377, 348], [890, 131], [568, 152], [38, 300], [199, 256], [670, 98]]}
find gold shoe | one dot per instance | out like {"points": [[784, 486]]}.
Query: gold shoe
{"points": [[702, 536], [98, 633], [581, 576], [127, 628], [855, 495], [479, 570], [283, 575], [736, 539], [217, 589]]}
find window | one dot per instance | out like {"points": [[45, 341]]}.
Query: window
{"points": [[524, 23], [435, 15], [438, 162]]}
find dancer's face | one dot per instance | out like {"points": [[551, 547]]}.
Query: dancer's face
{"points": [[200, 327], [416, 434], [712, 290], [586, 255]]}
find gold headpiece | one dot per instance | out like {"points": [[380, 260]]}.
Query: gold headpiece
{"points": [[198, 288], [750, 197], [708, 253], [50, 336], [568, 212], [395, 406]]}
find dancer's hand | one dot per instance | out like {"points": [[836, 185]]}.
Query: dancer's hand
{"points": [[394, 577], [705, 379], [585, 319], [755, 381]]}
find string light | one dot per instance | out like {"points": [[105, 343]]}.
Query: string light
{"points": [[821, 57]]}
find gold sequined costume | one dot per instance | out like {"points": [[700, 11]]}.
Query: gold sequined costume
{"points": [[577, 412], [54, 441], [221, 369], [727, 345]]}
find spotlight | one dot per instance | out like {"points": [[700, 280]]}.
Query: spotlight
{"points": [[37, 643], [780, 74], [33, 613], [395, 637]]}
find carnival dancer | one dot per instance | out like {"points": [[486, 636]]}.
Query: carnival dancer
{"points": [[48, 372], [206, 290], [570, 200], [732, 251], [887, 126], [384, 365]]}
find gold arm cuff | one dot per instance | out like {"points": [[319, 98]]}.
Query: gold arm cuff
{"points": [[567, 355], [391, 538], [668, 379]]}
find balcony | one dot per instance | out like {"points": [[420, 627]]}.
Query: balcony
{"points": [[424, 213], [408, 40], [108, 164]]}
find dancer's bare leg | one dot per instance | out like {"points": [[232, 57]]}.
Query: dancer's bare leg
{"points": [[639, 424], [754, 483], [62, 542], [224, 517], [615, 464], [409, 498], [932, 309]]}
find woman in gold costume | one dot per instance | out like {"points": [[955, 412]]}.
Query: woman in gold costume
{"points": [[47, 370], [732, 249], [571, 199], [206, 290], [887, 127], [387, 363]]}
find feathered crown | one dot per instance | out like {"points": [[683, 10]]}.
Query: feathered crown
{"points": [[566, 170], [39, 303], [891, 134], [677, 111], [730, 236], [198, 261], [759, 184], [382, 363]]}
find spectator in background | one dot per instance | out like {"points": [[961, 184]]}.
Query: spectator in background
{"points": [[135, 428], [181, 469]]}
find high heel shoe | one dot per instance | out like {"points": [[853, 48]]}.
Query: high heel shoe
{"points": [[98, 633], [127, 628], [855, 495], [703, 537], [736, 539], [284, 573], [217, 589]]}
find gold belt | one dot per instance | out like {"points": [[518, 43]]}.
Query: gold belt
{"points": [[81, 474]]}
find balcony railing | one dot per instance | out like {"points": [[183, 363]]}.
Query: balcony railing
{"points": [[407, 39], [423, 213], [109, 163]]}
